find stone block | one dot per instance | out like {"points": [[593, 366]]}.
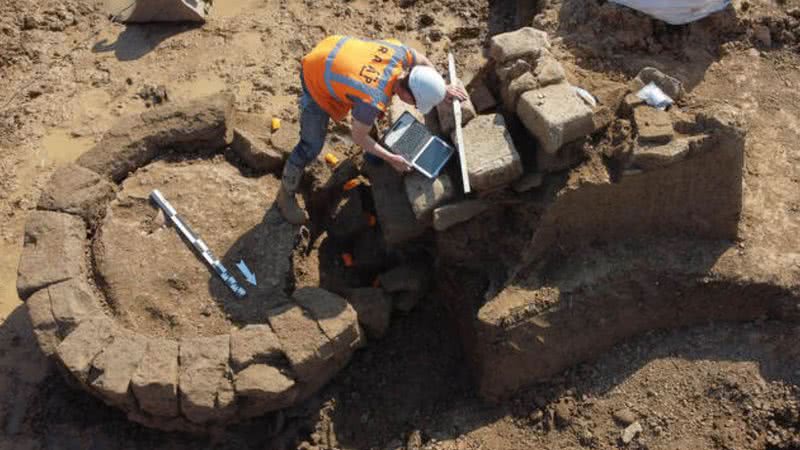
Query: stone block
{"points": [[514, 44], [336, 318], [449, 215], [492, 159], [265, 386], [73, 301], [568, 156], [513, 69], [549, 70], [302, 340], [482, 97], [527, 182], [44, 324], [447, 122], [284, 139], [51, 237], [374, 310], [670, 85], [254, 344], [76, 190], [155, 382], [653, 125], [348, 217], [77, 350], [426, 194], [203, 376], [397, 219], [115, 367], [404, 278], [555, 115], [256, 151], [651, 157], [134, 141], [520, 85]]}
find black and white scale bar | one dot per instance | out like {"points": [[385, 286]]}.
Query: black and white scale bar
{"points": [[197, 243]]}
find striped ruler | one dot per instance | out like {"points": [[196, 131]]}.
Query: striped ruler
{"points": [[462, 156], [198, 244]]}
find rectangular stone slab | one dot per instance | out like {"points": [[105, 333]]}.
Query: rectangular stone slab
{"points": [[514, 44], [555, 115], [78, 350], [254, 344], [155, 383], [204, 374], [398, 222], [426, 194], [335, 316], [54, 250], [76, 190], [115, 367], [374, 310], [301, 339], [492, 159], [262, 388], [72, 301]]}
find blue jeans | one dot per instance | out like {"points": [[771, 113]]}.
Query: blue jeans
{"points": [[313, 129]]}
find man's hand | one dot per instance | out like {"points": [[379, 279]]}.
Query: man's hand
{"points": [[398, 163], [455, 92]]}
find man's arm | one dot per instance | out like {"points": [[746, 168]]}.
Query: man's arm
{"points": [[360, 133]]}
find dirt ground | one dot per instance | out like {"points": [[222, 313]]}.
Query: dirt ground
{"points": [[69, 73]]}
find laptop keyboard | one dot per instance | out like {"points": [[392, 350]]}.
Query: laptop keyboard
{"points": [[413, 138]]}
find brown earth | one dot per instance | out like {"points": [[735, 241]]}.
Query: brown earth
{"points": [[69, 74], [156, 285]]}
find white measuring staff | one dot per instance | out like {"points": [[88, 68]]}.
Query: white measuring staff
{"points": [[462, 156], [197, 243]]}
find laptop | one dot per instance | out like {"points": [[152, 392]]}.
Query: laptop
{"points": [[412, 140]]}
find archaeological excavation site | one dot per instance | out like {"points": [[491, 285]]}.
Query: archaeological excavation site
{"points": [[612, 246]]}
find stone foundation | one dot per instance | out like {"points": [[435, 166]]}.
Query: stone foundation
{"points": [[189, 383]]}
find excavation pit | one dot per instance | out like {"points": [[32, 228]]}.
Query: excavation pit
{"points": [[136, 317], [155, 281]]}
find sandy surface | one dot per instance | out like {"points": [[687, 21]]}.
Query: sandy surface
{"points": [[72, 74]]}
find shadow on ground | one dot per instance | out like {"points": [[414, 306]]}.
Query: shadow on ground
{"points": [[136, 41]]}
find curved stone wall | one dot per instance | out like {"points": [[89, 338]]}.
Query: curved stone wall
{"points": [[174, 384]]}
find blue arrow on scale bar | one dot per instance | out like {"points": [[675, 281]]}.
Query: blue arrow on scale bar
{"points": [[248, 275]]}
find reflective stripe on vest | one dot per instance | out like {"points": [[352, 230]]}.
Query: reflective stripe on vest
{"points": [[377, 94]]}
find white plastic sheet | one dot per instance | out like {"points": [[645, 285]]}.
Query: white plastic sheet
{"points": [[676, 12]]}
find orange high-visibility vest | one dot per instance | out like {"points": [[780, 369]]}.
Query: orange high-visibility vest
{"points": [[341, 68]]}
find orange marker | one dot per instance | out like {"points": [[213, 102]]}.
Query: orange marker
{"points": [[331, 159], [372, 220], [351, 184], [347, 258]]}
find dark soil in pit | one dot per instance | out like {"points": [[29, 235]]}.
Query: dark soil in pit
{"points": [[157, 285]]}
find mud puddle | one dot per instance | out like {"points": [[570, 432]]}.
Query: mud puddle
{"points": [[200, 87], [60, 147]]}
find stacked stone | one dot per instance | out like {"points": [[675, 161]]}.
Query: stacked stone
{"points": [[658, 144], [189, 384], [533, 85]]}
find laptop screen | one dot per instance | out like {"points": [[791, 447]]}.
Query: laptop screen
{"points": [[434, 157]]}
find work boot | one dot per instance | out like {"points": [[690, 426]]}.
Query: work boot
{"points": [[287, 201]]}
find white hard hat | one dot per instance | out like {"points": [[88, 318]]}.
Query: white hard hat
{"points": [[427, 86]]}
